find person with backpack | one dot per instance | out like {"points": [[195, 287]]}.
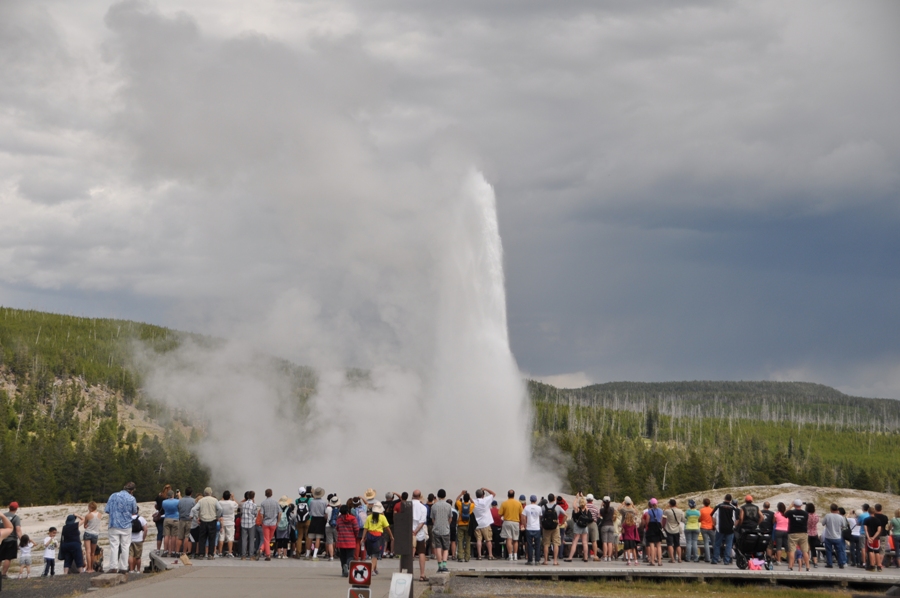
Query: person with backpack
{"points": [[551, 512], [283, 527], [332, 512], [391, 500], [652, 522], [301, 513], [466, 509], [582, 518]]}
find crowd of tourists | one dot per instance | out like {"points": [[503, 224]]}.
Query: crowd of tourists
{"points": [[472, 525]]}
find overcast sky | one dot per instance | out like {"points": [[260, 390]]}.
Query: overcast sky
{"points": [[686, 190]]}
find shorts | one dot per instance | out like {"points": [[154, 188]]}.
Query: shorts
{"points": [[593, 532], [316, 536], [90, 537], [9, 550], [281, 542], [873, 546], [136, 550], [184, 529], [795, 540], [441, 542], [421, 547], [330, 535], [630, 544], [374, 545], [673, 540], [510, 531], [227, 533], [25, 561], [170, 528], [550, 537], [780, 540], [578, 530], [608, 534], [484, 533]]}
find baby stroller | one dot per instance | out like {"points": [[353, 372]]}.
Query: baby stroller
{"points": [[752, 544]]}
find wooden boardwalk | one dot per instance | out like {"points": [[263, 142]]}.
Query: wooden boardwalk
{"points": [[847, 577]]}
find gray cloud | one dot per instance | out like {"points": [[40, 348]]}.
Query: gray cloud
{"points": [[685, 190]]}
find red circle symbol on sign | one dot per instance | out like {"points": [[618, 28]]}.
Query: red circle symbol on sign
{"points": [[360, 574]]}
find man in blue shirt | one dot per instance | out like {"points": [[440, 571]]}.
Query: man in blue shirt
{"points": [[120, 507]]}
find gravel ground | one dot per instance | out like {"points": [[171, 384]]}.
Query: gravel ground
{"points": [[57, 586]]}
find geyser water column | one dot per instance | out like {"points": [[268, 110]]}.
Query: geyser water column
{"points": [[456, 416], [476, 397]]}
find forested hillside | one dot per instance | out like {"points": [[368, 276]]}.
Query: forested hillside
{"points": [[672, 438], [65, 386], [75, 424]]}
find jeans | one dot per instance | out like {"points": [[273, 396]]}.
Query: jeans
{"points": [[463, 543], [836, 544], [723, 545], [533, 545], [709, 537], [690, 539], [248, 541], [207, 537], [119, 543], [855, 556], [49, 567]]}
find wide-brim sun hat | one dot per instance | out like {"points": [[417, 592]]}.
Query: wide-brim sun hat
{"points": [[378, 508], [627, 500], [319, 492], [369, 494], [284, 501], [334, 501]]}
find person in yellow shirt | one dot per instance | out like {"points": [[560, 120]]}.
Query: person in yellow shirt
{"points": [[376, 527], [511, 513]]}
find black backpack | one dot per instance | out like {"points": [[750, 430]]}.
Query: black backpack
{"points": [[583, 518], [549, 518], [136, 526]]}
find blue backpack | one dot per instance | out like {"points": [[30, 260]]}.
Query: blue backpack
{"points": [[332, 521]]}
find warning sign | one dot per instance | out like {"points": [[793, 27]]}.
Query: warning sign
{"points": [[359, 593], [360, 573]]}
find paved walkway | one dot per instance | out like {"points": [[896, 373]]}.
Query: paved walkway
{"points": [[233, 578]]}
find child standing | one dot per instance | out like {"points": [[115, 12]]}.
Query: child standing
{"points": [[51, 545], [630, 538], [25, 545]]}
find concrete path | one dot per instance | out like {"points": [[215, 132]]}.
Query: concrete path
{"points": [[233, 578]]}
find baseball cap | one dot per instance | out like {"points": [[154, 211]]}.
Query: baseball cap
{"points": [[302, 490], [522, 497], [748, 498], [13, 506], [589, 497], [654, 502], [692, 503], [798, 502], [606, 499], [627, 500], [533, 498]]}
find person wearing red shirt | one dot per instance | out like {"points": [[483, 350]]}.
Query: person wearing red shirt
{"points": [[347, 531]]}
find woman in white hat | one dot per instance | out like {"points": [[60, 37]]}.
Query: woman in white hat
{"points": [[376, 528]]}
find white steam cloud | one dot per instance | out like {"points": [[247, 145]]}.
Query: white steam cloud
{"points": [[457, 416]]}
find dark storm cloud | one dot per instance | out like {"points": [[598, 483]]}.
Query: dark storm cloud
{"points": [[685, 190]]}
